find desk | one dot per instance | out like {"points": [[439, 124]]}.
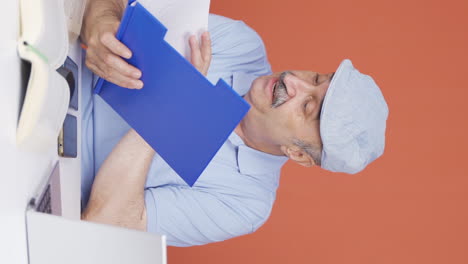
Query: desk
{"points": [[22, 171]]}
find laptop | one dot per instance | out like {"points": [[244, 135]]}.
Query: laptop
{"points": [[53, 239]]}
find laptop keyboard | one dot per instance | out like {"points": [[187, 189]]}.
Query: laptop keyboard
{"points": [[44, 204]]}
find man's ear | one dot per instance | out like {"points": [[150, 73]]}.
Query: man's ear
{"points": [[298, 155]]}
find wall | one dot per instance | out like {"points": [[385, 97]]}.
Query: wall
{"points": [[410, 205]]}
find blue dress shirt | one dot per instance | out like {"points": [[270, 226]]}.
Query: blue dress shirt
{"points": [[235, 193]]}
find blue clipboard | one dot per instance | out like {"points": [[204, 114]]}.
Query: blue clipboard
{"points": [[179, 112]]}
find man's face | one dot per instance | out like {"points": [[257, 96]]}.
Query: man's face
{"points": [[286, 107]]}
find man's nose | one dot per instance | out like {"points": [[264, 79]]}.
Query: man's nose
{"points": [[294, 85]]}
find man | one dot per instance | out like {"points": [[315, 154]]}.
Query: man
{"points": [[336, 121]]}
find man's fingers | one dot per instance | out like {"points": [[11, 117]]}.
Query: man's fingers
{"points": [[122, 66], [206, 51], [206, 47], [94, 68], [123, 81], [112, 75], [116, 67], [195, 52], [201, 52], [114, 45]]}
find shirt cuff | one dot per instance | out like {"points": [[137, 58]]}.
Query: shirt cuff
{"points": [[151, 215]]}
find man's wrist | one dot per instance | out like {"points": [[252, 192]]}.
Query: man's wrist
{"points": [[98, 12]]}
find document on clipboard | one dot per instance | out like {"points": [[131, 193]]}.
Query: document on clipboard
{"points": [[179, 112]]}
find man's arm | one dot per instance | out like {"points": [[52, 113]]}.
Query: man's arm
{"points": [[117, 196], [237, 48]]}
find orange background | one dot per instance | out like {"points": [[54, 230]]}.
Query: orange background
{"points": [[411, 205]]}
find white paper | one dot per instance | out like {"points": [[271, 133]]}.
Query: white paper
{"points": [[182, 18]]}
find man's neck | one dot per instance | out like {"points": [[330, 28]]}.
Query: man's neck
{"points": [[250, 141], [240, 132]]}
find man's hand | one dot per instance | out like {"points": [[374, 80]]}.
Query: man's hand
{"points": [[104, 53], [201, 54]]}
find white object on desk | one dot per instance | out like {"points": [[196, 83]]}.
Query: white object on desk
{"points": [[44, 43], [45, 104], [56, 240]]}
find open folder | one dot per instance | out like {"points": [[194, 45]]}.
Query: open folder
{"points": [[178, 112]]}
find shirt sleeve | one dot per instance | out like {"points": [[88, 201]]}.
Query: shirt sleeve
{"points": [[190, 216], [236, 47]]}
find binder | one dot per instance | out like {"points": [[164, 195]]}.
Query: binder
{"points": [[179, 113]]}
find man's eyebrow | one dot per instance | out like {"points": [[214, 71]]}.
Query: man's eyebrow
{"points": [[323, 98]]}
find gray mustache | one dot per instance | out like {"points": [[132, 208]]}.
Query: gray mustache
{"points": [[280, 95]]}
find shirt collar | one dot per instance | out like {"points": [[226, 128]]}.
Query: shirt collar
{"points": [[251, 161], [242, 81]]}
